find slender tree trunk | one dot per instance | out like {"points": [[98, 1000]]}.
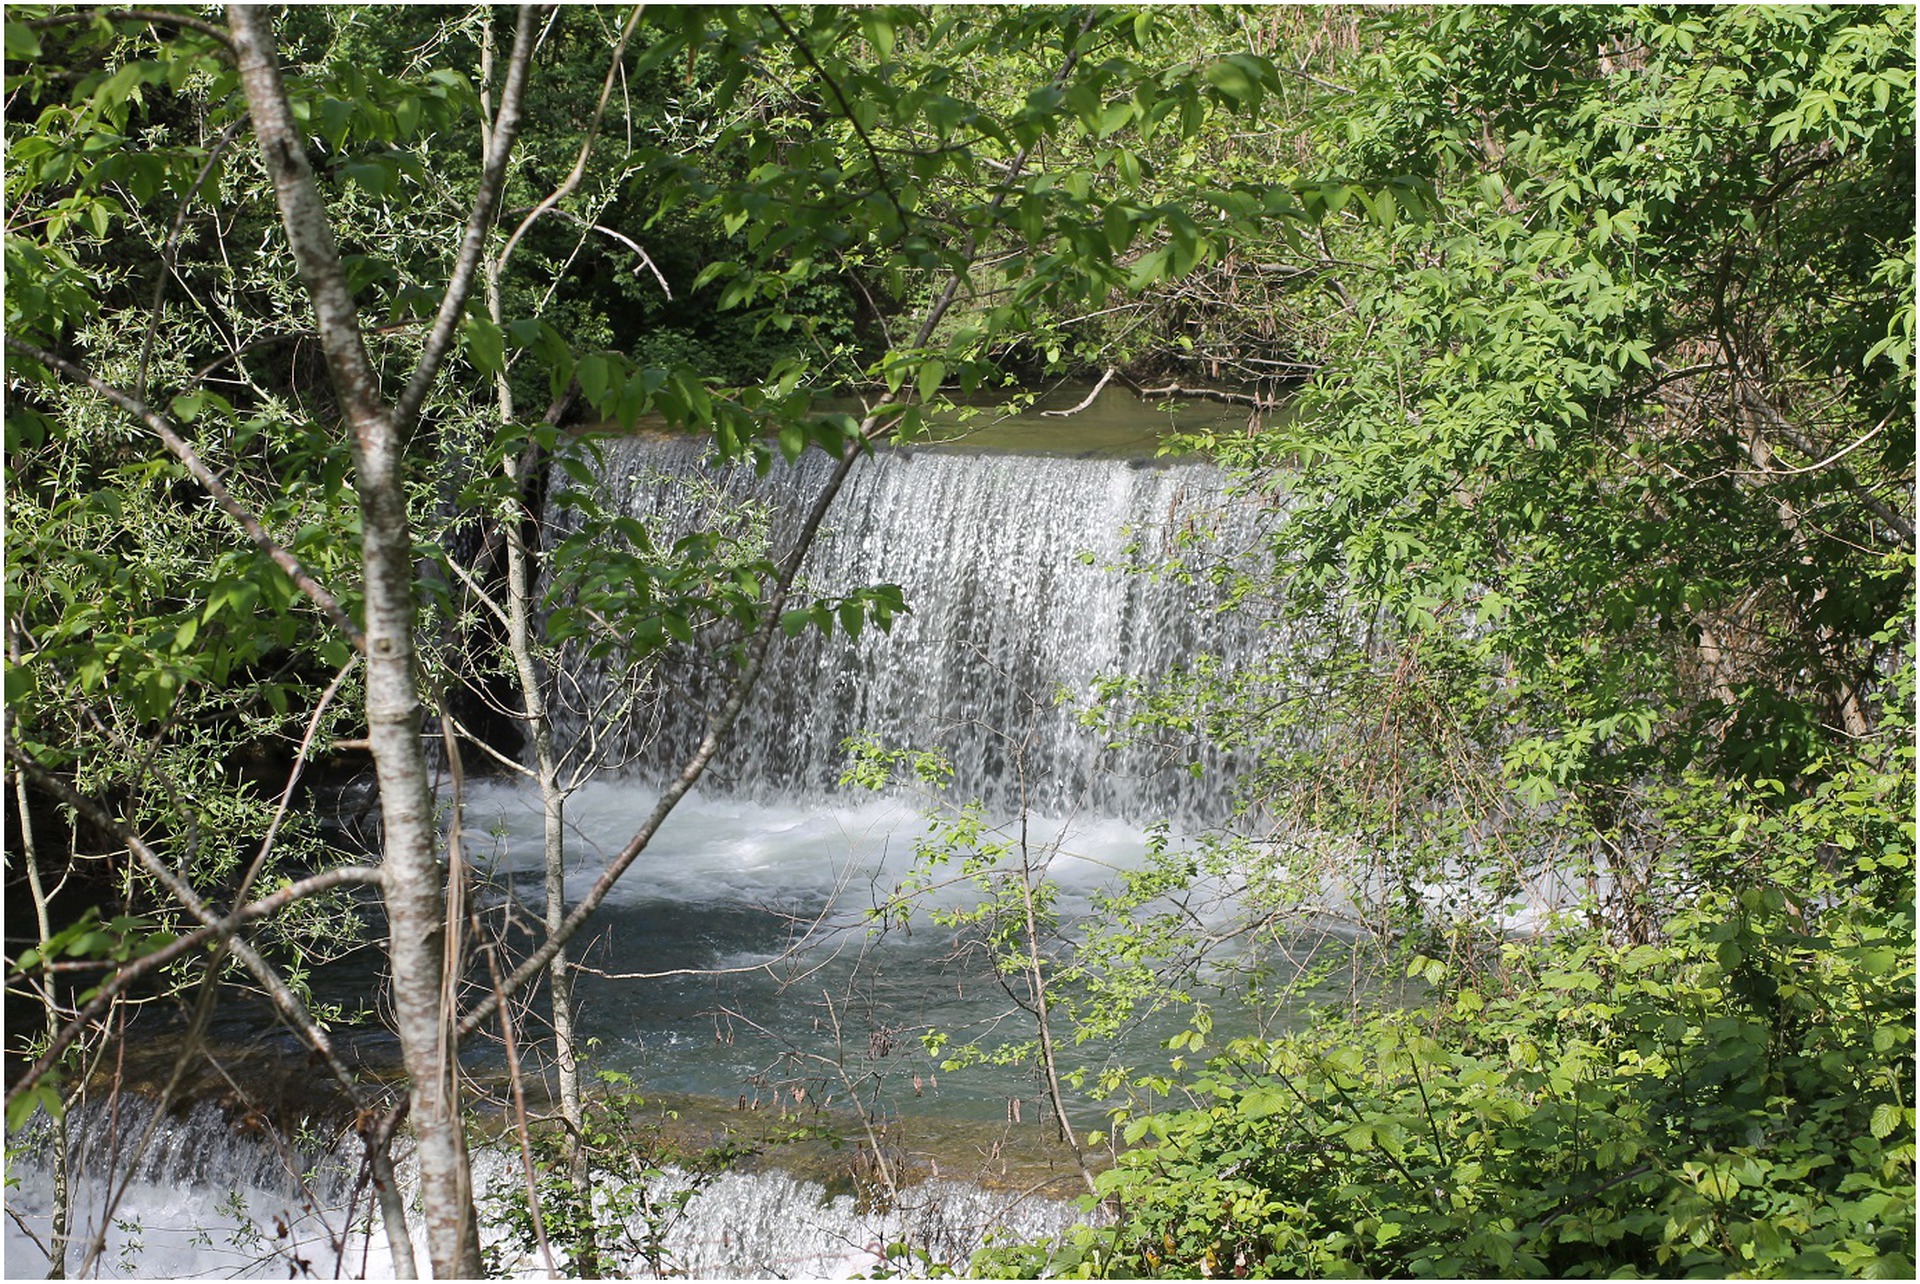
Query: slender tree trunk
{"points": [[412, 878], [553, 802], [62, 1185], [1037, 988]]}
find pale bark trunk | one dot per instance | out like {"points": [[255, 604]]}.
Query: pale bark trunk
{"points": [[553, 802], [411, 874]]}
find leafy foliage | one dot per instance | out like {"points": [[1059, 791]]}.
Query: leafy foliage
{"points": [[1594, 551], [1736, 1100]]}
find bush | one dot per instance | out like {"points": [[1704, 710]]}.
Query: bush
{"points": [[1734, 1100]]}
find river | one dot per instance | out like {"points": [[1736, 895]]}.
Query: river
{"points": [[758, 958]]}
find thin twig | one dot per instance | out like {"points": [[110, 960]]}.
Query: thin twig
{"points": [[453, 304], [579, 170], [170, 252], [158, 425], [520, 1115], [1834, 458]]}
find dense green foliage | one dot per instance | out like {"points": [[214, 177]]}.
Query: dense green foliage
{"points": [[1734, 1100], [1598, 546], [1591, 560]]}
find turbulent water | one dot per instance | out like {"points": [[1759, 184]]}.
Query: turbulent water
{"points": [[1013, 567], [204, 1198], [756, 899]]}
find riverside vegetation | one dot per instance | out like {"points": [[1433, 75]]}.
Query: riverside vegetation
{"points": [[1589, 565]]}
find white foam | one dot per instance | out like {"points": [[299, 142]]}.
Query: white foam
{"points": [[199, 1225], [728, 850]]}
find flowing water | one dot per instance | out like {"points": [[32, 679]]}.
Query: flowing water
{"points": [[1014, 567], [743, 960], [186, 1196]]}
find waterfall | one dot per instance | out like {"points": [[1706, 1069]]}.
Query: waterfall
{"points": [[1028, 579], [1014, 570], [207, 1194]]}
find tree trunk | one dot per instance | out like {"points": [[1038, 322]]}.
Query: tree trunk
{"points": [[553, 802], [412, 878], [62, 1188]]}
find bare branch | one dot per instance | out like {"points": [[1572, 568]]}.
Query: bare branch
{"points": [[293, 778], [161, 17], [1098, 388], [453, 303], [579, 170], [646, 260], [1213, 394], [1834, 458], [185, 453]]}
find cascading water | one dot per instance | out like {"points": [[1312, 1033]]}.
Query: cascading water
{"points": [[210, 1197], [190, 1194], [1012, 567]]}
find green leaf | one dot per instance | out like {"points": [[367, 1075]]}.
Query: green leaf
{"points": [[879, 32], [793, 441], [23, 42], [594, 374], [335, 114], [374, 177], [932, 374], [187, 406], [486, 346], [43, 1095], [1231, 78]]}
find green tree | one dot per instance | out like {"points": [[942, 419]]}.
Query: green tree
{"points": [[1596, 543], [328, 324]]}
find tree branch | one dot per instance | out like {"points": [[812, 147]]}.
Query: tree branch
{"points": [[646, 260], [185, 453], [579, 170], [213, 927], [1212, 394], [453, 303], [846, 112], [1091, 397], [163, 17]]}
